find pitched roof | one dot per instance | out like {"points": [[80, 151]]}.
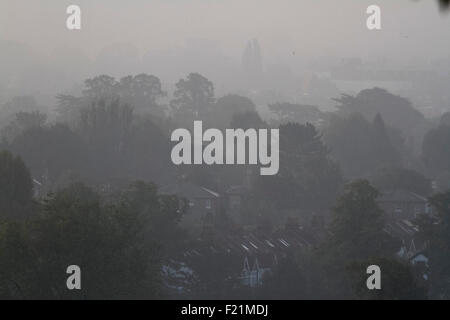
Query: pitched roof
{"points": [[399, 195], [189, 191]]}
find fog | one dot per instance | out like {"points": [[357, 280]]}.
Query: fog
{"points": [[225, 149], [171, 38]]}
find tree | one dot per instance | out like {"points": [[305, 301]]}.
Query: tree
{"points": [[26, 120], [228, 106], [101, 87], [445, 119], [22, 122], [193, 98], [161, 213], [289, 112], [360, 147], [286, 283], [444, 4], [355, 234], [142, 92], [52, 152], [16, 186], [118, 244], [381, 142], [16, 276], [397, 280], [397, 111], [147, 152], [308, 179], [247, 120], [68, 108], [20, 104], [357, 223], [437, 233], [106, 127], [435, 148]]}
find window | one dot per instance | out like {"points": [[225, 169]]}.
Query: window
{"points": [[208, 204], [398, 210]]}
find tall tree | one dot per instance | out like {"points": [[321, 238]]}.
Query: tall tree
{"points": [[397, 280], [106, 127], [381, 143], [52, 152], [308, 179], [357, 224], [193, 97], [118, 244], [16, 186], [22, 122], [355, 234], [361, 147], [397, 111], [142, 92], [436, 148], [437, 233], [289, 112], [101, 87], [228, 106]]}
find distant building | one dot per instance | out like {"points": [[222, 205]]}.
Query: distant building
{"points": [[252, 59], [401, 204], [249, 256], [235, 197], [203, 203], [37, 188]]}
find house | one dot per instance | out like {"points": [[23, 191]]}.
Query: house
{"points": [[37, 188], [203, 203], [235, 197], [253, 277], [401, 204], [407, 233], [248, 256]]}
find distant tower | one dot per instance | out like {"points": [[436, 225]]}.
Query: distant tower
{"points": [[257, 57], [252, 59]]}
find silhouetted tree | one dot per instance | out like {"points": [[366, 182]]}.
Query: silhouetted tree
{"points": [[308, 178], [355, 234], [360, 146], [228, 106], [397, 111], [357, 224], [193, 98], [16, 186], [117, 243], [435, 148], [397, 278], [52, 152], [101, 87], [289, 112], [22, 122], [142, 92], [437, 233]]}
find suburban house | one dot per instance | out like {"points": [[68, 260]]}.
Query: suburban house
{"points": [[37, 188], [253, 277], [234, 199], [249, 256], [401, 204], [203, 203]]}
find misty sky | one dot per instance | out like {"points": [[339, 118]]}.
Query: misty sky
{"points": [[308, 27]]}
